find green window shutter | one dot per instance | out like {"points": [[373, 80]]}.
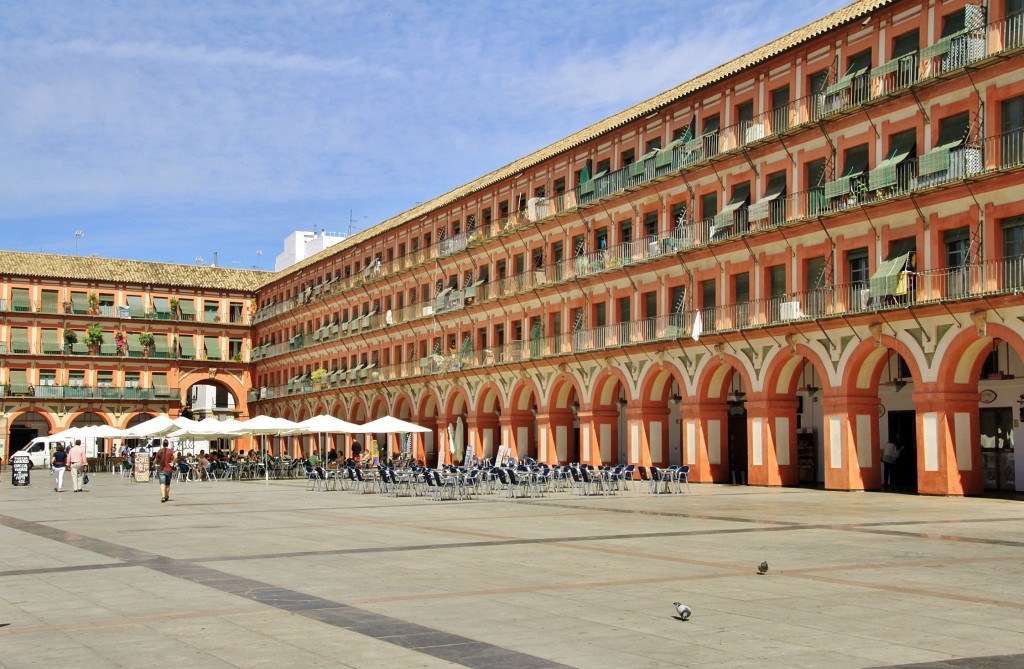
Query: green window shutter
{"points": [[134, 347], [187, 345], [162, 307], [160, 348], [19, 340], [51, 342], [19, 300], [50, 301], [211, 347], [135, 308], [187, 307], [80, 303]]}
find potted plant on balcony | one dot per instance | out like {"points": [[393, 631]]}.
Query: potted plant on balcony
{"points": [[147, 341], [94, 338], [318, 376], [94, 303], [70, 339], [173, 302]]}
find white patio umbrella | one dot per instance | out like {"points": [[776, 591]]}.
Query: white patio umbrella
{"points": [[160, 426], [460, 440], [261, 426], [392, 425], [326, 424]]}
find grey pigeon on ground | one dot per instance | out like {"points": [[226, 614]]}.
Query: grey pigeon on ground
{"points": [[683, 610], [763, 568]]}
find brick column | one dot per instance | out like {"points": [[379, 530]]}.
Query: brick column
{"points": [[647, 435], [948, 442], [851, 442], [771, 441], [554, 430], [515, 432], [483, 434], [704, 428], [598, 435]]}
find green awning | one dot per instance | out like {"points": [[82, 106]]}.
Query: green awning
{"points": [[936, 160], [886, 281], [80, 303], [840, 186], [133, 343], [161, 306], [187, 307], [212, 348], [51, 342], [135, 308], [188, 346], [49, 301], [160, 349], [20, 300], [884, 175]]}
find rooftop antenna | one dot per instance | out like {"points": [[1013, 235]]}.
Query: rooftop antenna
{"points": [[78, 235]]}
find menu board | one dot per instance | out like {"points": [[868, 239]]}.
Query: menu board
{"points": [[20, 471], [142, 467]]}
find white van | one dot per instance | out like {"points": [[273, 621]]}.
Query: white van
{"points": [[39, 450]]}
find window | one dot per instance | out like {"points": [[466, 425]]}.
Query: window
{"points": [[625, 314], [559, 186], [857, 69], [818, 84], [958, 260], [857, 267], [906, 44], [651, 223], [1013, 251], [628, 158], [708, 205], [708, 303], [1012, 124], [710, 135], [780, 109], [651, 304], [603, 167], [747, 131], [652, 145], [625, 231], [741, 298]]}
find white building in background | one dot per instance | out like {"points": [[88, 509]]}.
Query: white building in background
{"points": [[302, 244]]}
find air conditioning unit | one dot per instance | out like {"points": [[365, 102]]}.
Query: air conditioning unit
{"points": [[428, 310], [263, 393], [789, 311], [754, 133], [865, 298]]}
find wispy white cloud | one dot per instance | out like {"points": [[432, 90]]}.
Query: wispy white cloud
{"points": [[245, 120]]}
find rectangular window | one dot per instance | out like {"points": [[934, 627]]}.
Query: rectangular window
{"points": [[1012, 125], [1013, 251], [625, 313], [628, 158], [651, 223], [708, 205], [211, 309], [652, 145], [651, 304], [857, 267], [780, 109], [625, 231]]}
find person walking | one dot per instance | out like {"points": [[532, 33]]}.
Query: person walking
{"points": [[78, 463], [890, 455], [164, 463], [59, 463]]}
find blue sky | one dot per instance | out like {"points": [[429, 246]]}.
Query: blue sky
{"points": [[169, 131]]}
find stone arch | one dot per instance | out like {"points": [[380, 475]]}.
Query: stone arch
{"points": [[485, 421], [654, 422], [965, 353], [782, 371], [235, 387], [519, 424], [863, 369], [16, 441]]}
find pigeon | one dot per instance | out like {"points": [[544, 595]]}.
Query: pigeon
{"points": [[683, 610], [762, 568]]}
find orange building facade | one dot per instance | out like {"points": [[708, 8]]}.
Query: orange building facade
{"points": [[765, 273]]}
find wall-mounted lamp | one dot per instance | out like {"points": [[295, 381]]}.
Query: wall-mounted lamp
{"points": [[497, 411], [675, 400], [576, 407], [622, 403]]}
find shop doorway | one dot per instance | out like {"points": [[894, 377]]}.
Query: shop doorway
{"points": [[997, 448], [903, 433], [737, 444]]}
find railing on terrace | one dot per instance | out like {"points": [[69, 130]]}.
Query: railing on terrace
{"points": [[947, 55], [51, 391], [991, 277], [106, 350]]}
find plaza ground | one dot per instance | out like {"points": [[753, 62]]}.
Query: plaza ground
{"points": [[254, 574]]}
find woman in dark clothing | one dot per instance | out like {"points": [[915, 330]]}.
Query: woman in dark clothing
{"points": [[59, 463]]}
